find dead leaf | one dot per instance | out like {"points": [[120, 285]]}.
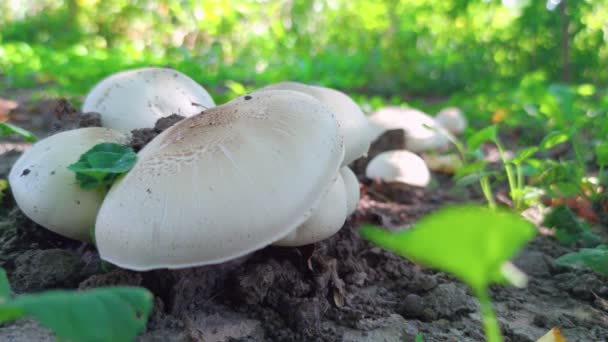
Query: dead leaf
{"points": [[554, 335]]}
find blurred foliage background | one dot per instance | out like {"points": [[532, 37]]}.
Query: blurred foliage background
{"points": [[498, 60]]}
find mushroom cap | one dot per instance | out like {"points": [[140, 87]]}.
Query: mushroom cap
{"points": [[399, 166], [452, 119], [48, 193], [353, 192], [222, 184], [327, 219], [422, 133], [353, 124], [136, 98]]}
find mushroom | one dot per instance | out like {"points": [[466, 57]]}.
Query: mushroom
{"points": [[352, 122], [329, 217], [353, 192], [399, 166], [452, 119], [47, 192], [325, 222], [138, 98], [422, 133], [223, 183]]}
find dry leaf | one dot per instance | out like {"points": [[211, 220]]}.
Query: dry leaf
{"points": [[554, 335]]}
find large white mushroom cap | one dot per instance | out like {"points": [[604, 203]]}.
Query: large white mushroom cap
{"points": [[399, 166], [422, 133], [222, 184], [47, 192], [452, 119], [354, 126], [137, 98]]}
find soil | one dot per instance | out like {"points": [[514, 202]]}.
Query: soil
{"points": [[341, 289]]}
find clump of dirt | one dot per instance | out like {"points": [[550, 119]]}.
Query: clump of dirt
{"points": [[141, 137], [67, 117]]}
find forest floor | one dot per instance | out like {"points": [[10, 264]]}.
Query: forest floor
{"points": [[342, 289]]}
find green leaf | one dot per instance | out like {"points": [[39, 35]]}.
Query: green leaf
{"points": [[102, 164], [5, 286], [601, 152], [470, 242], [98, 315], [470, 168], [524, 154], [489, 133], [553, 139], [568, 229], [593, 258], [3, 187], [8, 129], [419, 338]]}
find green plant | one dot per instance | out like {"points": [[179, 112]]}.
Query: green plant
{"points": [[103, 164], [98, 315], [8, 129], [470, 242], [593, 258], [3, 187]]}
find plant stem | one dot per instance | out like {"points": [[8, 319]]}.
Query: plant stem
{"points": [[487, 191], [490, 323], [509, 171]]}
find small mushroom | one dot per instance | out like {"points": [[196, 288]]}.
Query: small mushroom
{"points": [[222, 184], [137, 98], [326, 220], [353, 192], [353, 123], [422, 133], [452, 119], [47, 192], [399, 166]]}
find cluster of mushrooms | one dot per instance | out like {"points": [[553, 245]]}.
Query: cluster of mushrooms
{"points": [[270, 167]]}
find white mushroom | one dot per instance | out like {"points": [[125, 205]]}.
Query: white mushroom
{"points": [[452, 119], [353, 192], [326, 220], [353, 124], [222, 184], [422, 133], [47, 192], [137, 98], [399, 166]]}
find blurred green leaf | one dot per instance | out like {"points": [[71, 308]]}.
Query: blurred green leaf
{"points": [[568, 228], [593, 258], [8, 129], [524, 154], [601, 152], [98, 315], [553, 139], [488, 134], [470, 242]]}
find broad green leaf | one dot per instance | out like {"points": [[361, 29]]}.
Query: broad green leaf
{"points": [[524, 155], [568, 229], [98, 315], [553, 139], [470, 242], [593, 258], [489, 133], [601, 152], [470, 168], [102, 164], [7, 312], [8, 129]]}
